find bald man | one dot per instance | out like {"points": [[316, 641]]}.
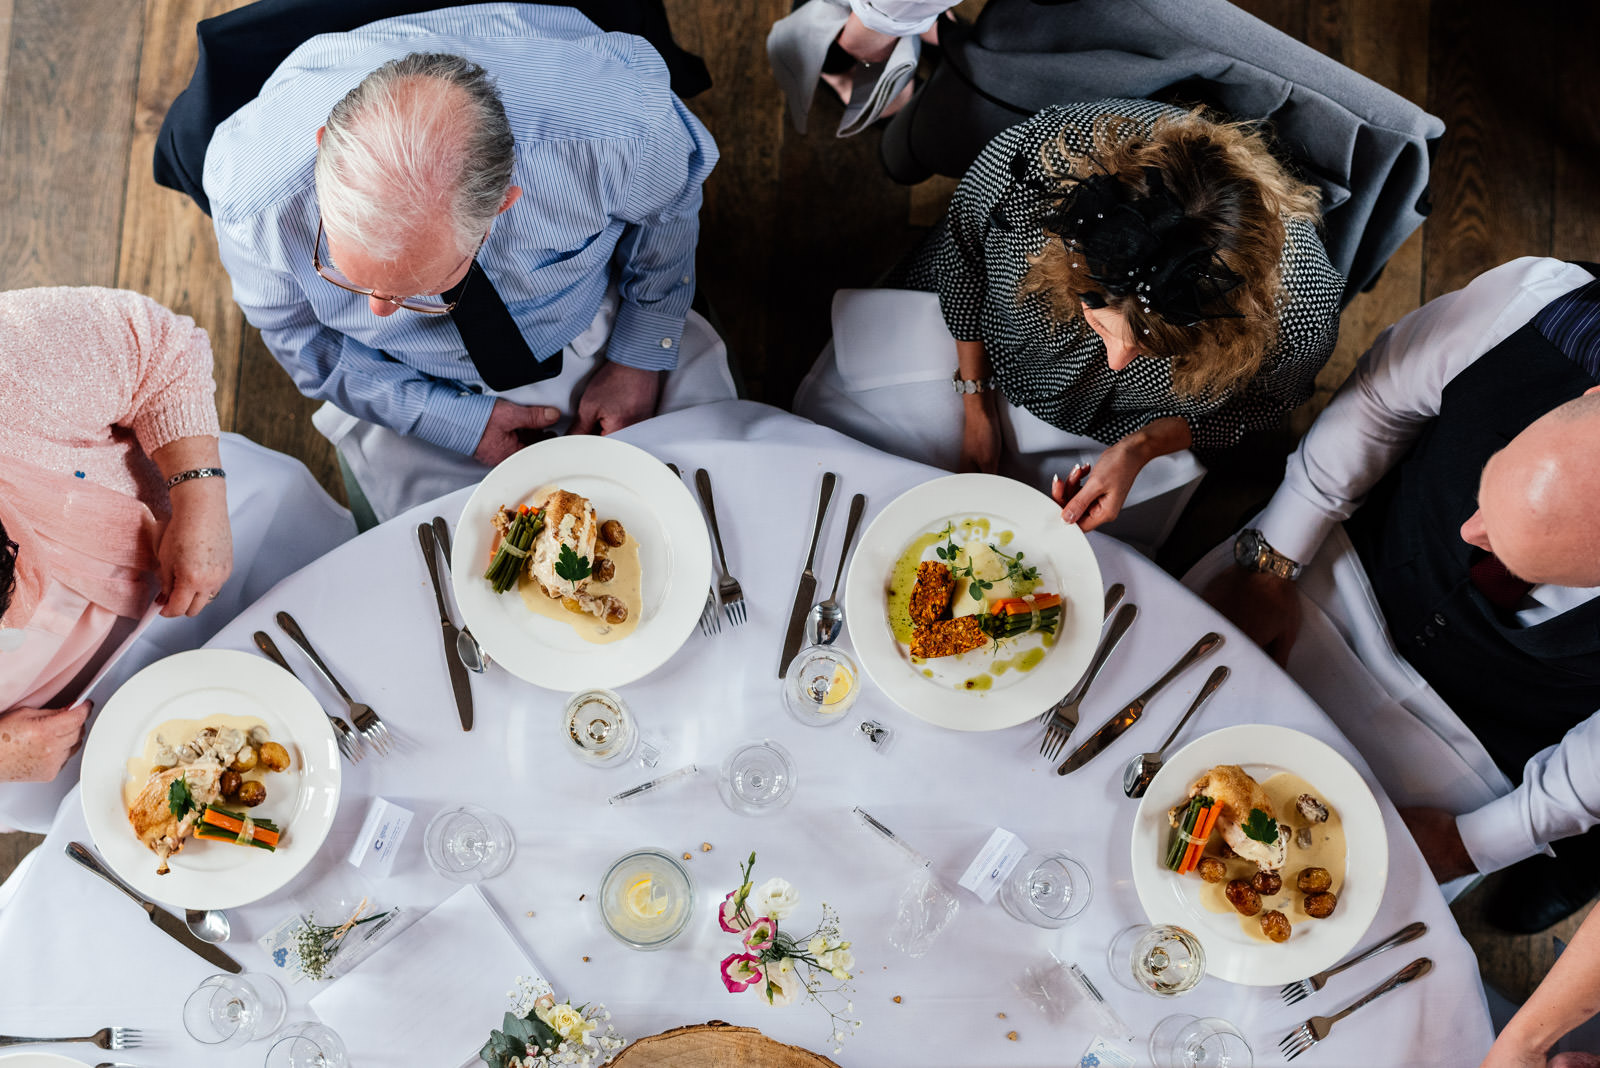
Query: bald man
{"points": [[1427, 572]]}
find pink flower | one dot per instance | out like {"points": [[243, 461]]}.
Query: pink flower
{"points": [[728, 914], [759, 935], [740, 971]]}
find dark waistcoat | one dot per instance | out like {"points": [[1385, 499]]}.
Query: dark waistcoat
{"points": [[1518, 689]]}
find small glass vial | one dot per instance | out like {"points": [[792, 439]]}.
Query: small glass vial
{"points": [[599, 728]]}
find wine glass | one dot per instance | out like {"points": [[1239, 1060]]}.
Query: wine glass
{"points": [[1184, 1041], [307, 1045], [467, 844], [599, 728], [1046, 889], [228, 1011], [820, 685], [757, 778], [1162, 959]]}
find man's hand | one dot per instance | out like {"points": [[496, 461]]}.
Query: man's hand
{"points": [[1266, 607], [980, 434], [616, 396], [501, 439], [1440, 841], [35, 742], [196, 549]]}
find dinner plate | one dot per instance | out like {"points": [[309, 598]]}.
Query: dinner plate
{"points": [[1067, 565], [302, 800], [1231, 954], [625, 483]]}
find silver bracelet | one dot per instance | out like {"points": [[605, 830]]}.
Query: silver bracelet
{"points": [[970, 385], [196, 472]]}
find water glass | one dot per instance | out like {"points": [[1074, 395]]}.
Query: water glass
{"points": [[468, 844], [307, 1045], [757, 778], [646, 899], [1047, 889], [1161, 959], [228, 1011], [1184, 1041], [599, 728], [820, 685]]}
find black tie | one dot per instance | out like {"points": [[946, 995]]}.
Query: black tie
{"points": [[494, 344]]}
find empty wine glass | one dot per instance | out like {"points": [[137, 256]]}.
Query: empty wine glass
{"points": [[467, 843], [1184, 1041], [1046, 889], [757, 778], [599, 728], [820, 685], [307, 1045], [228, 1011], [1161, 959]]}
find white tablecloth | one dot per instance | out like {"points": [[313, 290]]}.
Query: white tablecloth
{"points": [[74, 954]]}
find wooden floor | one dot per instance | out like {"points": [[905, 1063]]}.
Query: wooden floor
{"points": [[789, 219]]}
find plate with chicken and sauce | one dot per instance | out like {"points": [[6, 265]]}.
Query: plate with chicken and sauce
{"points": [[1267, 845], [210, 779], [581, 562]]}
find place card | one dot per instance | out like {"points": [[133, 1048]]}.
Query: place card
{"points": [[993, 863], [379, 841]]}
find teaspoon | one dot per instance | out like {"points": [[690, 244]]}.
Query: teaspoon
{"points": [[468, 650], [208, 926], [825, 621], [1142, 768]]}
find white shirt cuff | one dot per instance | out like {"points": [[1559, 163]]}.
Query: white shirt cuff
{"points": [[1294, 526], [1499, 834]]}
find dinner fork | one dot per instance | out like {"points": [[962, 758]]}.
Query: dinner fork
{"points": [[105, 1038], [364, 718], [1064, 716], [1317, 1028], [728, 590], [1304, 988], [349, 745]]}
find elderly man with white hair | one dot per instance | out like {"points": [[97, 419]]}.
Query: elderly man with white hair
{"points": [[466, 228]]}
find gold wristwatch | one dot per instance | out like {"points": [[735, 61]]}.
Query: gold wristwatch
{"points": [[1252, 552]]}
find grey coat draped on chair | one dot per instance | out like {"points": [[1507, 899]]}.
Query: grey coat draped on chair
{"points": [[1366, 148]]}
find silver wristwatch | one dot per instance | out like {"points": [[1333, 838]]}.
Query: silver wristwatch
{"points": [[1252, 552], [971, 385]]}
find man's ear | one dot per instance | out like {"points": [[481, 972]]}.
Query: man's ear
{"points": [[320, 129], [515, 191]]}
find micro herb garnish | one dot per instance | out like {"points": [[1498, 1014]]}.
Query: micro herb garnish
{"points": [[572, 567], [1016, 571], [1260, 827], [179, 799]]}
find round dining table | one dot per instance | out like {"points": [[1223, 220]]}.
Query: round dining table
{"points": [[76, 955]]}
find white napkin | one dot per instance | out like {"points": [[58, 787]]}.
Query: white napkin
{"points": [[890, 337], [434, 992], [876, 87]]}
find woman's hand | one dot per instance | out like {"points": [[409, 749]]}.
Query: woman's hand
{"points": [[196, 549], [36, 742], [1094, 498], [980, 434]]}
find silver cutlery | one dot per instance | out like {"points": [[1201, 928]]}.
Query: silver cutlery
{"points": [[1113, 598], [1142, 768], [208, 925], [349, 741], [105, 1038], [365, 719], [710, 615], [826, 620], [807, 589], [467, 648], [460, 685], [1304, 988], [729, 593], [1064, 716], [1112, 729], [1316, 1029], [168, 924]]}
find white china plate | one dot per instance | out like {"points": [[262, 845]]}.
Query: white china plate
{"points": [[1062, 553], [1231, 954], [625, 483], [302, 800], [38, 1060]]}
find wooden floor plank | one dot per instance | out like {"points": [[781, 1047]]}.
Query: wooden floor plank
{"points": [[6, 9], [64, 135], [272, 411], [1576, 208]]}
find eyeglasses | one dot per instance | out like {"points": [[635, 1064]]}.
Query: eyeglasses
{"points": [[425, 305]]}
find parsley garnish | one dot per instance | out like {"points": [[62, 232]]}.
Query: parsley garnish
{"points": [[571, 566], [1260, 827], [179, 799]]}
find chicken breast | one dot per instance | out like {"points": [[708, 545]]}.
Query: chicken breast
{"points": [[1232, 788], [152, 819], [569, 520]]}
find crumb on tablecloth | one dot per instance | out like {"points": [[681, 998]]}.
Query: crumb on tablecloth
{"points": [[897, 999], [1011, 1036]]}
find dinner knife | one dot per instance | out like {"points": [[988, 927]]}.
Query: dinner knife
{"points": [[174, 926], [808, 582], [452, 659], [1112, 729]]}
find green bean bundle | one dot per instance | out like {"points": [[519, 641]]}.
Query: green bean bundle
{"points": [[514, 548]]}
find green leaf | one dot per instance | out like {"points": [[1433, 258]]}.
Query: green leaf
{"points": [[179, 800], [1260, 827], [571, 566]]}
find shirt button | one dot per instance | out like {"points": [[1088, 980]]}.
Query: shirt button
{"points": [[1429, 632], [1440, 620], [684, 279], [1420, 641], [666, 342]]}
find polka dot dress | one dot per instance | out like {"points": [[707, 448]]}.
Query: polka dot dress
{"points": [[976, 260]]}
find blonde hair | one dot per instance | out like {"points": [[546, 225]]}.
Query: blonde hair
{"points": [[1235, 198]]}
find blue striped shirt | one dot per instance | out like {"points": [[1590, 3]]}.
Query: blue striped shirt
{"points": [[610, 164]]}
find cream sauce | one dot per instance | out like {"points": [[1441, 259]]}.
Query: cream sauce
{"points": [[1327, 851], [626, 585], [175, 732]]}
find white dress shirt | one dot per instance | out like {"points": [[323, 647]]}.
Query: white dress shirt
{"points": [[899, 18], [1373, 420]]}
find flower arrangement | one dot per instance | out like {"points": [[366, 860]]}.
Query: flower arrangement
{"points": [[540, 1032], [315, 945], [781, 967]]}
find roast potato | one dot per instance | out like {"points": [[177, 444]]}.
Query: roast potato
{"points": [[229, 783], [1313, 880], [251, 794], [1267, 883], [1243, 897], [244, 759], [1212, 870], [1275, 925], [612, 533], [616, 611], [1320, 904], [274, 757], [604, 570]]}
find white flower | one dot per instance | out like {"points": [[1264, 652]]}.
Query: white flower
{"points": [[568, 1022], [774, 898], [783, 983]]}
